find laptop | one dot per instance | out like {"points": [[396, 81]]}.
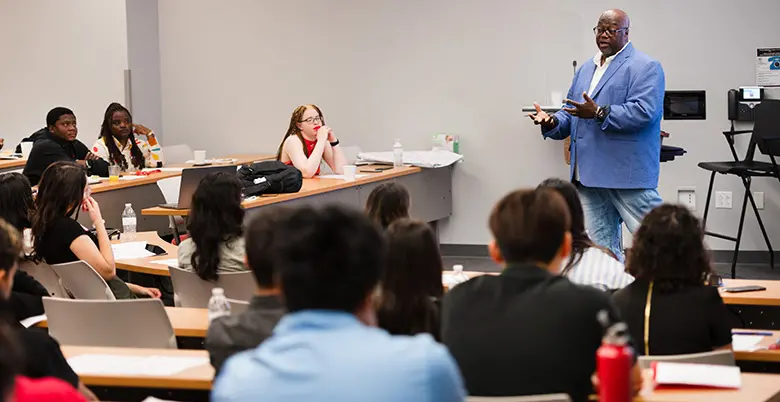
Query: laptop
{"points": [[190, 178]]}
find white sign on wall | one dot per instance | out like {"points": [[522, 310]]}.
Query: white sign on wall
{"points": [[768, 67]]}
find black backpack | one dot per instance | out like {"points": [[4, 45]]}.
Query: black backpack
{"points": [[269, 177]]}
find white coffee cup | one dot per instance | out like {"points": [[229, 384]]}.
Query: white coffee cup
{"points": [[349, 172], [200, 157], [27, 147], [556, 98]]}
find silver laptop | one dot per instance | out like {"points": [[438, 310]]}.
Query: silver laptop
{"points": [[190, 178]]}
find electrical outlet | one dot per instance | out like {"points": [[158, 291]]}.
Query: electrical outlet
{"points": [[758, 197], [723, 200], [687, 197]]}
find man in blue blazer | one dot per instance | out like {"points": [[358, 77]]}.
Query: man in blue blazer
{"points": [[614, 120]]}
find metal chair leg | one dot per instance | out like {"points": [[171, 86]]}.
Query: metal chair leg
{"points": [[707, 204], [746, 182], [739, 231]]}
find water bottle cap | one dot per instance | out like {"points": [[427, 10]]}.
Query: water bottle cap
{"points": [[457, 268], [128, 204], [217, 292]]}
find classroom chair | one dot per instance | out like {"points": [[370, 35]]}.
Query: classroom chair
{"points": [[191, 291], [716, 357], [529, 398], [139, 323], [82, 281], [43, 273], [177, 154], [238, 306], [169, 187], [766, 137]]}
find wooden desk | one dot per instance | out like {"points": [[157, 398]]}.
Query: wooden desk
{"points": [[196, 378], [142, 193], [431, 190], [768, 297], [147, 265], [7, 165], [755, 388], [186, 322], [761, 355]]}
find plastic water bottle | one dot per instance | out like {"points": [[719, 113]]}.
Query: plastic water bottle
{"points": [[459, 276], [128, 222], [218, 304], [398, 154]]}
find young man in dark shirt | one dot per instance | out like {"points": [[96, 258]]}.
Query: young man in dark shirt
{"points": [[42, 354], [60, 144], [232, 334], [529, 330]]}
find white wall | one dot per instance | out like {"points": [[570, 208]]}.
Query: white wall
{"points": [[57, 53], [143, 50], [233, 71]]}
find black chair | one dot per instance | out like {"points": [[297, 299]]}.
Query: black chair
{"points": [[766, 136]]}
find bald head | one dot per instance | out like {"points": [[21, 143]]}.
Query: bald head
{"points": [[612, 31]]}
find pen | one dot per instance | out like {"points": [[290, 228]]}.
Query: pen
{"points": [[752, 333]]}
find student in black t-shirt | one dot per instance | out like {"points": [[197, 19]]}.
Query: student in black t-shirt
{"points": [[60, 144], [58, 238], [411, 285], [42, 356], [670, 261], [527, 331]]}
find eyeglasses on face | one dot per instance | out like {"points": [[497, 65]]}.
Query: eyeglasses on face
{"points": [[310, 120], [610, 31]]}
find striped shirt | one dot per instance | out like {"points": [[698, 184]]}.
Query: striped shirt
{"points": [[152, 154], [598, 269]]}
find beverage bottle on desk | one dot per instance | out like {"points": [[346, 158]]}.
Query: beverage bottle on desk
{"points": [[614, 360], [398, 154], [458, 276], [218, 304], [128, 222]]}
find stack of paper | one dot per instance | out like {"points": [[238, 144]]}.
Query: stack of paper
{"points": [[129, 250], [699, 375], [340, 176], [425, 159], [134, 365], [172, 262], [745, 343]]}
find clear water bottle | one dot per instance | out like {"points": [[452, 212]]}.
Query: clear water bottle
{"points": [[218, 304], [459, 276], [128, 222], [398, 154]]}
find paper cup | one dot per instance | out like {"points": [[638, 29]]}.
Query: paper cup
{"points": [[200, 157], [349, 172], [27, 147]]}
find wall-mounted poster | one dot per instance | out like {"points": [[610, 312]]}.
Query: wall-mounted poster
{"points": [[768, 67]]}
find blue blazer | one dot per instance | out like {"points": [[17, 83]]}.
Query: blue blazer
{"points": [[623, 152]]}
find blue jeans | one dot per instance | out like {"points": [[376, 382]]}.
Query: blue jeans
{"points": [[607, 208]]}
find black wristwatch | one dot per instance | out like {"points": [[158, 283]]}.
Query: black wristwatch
{"points": [[334, 143], [602, 112]]}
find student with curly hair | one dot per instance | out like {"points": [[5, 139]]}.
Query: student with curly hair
{"points": [[669, 308]]}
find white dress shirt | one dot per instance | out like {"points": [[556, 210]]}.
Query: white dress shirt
{"points": [[598, 269]]}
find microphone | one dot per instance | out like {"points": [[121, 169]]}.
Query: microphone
{"points": [[574, 66]]}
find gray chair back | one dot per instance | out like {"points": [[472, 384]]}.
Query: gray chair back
{"points": [[716, 357], [43, 273], [139, 323], [238, 306], [82, 281], [191, 291]]}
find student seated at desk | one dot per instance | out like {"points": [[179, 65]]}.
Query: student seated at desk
{"points": [[327, 348], [37, 355], [671, 264], [216, 242], [589, 264], [60, 144], [408, 302], [229, 335], [309, 141], [16, 203], [387, 203], [120, 145], [529, 330], [58, 238]]}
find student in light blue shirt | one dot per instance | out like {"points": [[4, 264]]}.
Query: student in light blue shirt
{"points": [[328, 348]]}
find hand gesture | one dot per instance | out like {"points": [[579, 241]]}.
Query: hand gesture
{"points": [[93, 209], [153, 293], [586, 110], [323, 133], [139, 129], [541, 117], [91, 157]]}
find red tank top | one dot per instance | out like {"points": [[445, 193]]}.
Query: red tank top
{"points": [[309, 148]]}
